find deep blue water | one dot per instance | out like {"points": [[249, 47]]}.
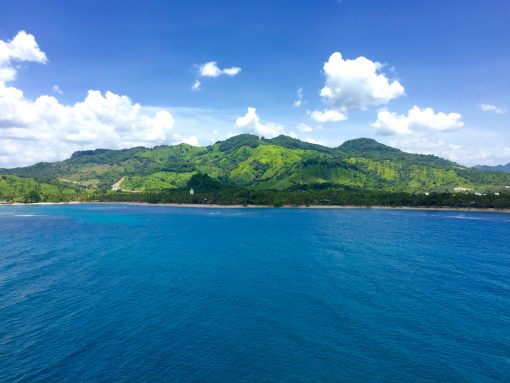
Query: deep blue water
{"points": [[118, 293]]}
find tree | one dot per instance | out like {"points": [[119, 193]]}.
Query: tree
{"points": [[201, 182], [34, 196]]}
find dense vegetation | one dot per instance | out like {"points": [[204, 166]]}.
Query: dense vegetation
{"points": [[309, 198], [247, 169], [18, 189]]}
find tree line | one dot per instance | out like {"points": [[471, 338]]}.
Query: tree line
{"points": [[308, 198]]}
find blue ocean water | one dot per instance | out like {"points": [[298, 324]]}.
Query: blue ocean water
{"points": [[121, 293]]}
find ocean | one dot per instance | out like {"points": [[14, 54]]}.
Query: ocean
{"points": [[124, 293]]}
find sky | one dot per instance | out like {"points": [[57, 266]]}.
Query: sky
{"points": [[423, 76]]}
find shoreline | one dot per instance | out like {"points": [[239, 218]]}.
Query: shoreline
{"points": [[218, 206]]}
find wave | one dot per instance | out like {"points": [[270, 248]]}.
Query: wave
{"points": [[29, 215]]}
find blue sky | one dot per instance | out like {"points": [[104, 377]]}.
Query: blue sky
{"points": [[450, 58]]}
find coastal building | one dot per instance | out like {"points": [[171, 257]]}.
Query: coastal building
{"points": [[191, 191]]}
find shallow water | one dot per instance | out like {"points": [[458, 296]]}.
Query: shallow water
{"points": [[120, 293]]}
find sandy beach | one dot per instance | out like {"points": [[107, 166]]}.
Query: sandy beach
{"points": [[217, 206]]}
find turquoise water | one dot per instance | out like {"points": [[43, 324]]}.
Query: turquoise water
{"points": [[119, 293]]}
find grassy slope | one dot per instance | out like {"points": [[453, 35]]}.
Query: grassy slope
{"points": [[17, 189]]}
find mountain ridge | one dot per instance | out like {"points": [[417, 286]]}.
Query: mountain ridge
{"points": [[496, 168], [249, 161]]}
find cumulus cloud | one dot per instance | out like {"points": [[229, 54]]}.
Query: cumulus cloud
{"points": [[465, 155], [46, 130], [22, 47], [491, 108], [327, 115], [417, 119], [357, 83], [211, 69], [299, 100], [250, 123]]}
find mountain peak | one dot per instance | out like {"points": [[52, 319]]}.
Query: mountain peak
{"points": [[83, 153], [294, 143], [366, 145], [238, 141]]}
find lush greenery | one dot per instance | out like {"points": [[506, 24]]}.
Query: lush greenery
{"points": [[18, 189], [248, 169], [236, 196]]}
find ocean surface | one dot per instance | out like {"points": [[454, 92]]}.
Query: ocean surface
{"points": [[122, 293]]}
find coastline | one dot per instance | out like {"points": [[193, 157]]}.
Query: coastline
{"points": [[217, 206]]}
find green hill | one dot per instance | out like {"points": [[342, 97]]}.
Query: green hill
{"points": [[252, 163], [20, 189]]}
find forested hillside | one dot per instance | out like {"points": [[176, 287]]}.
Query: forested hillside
{"points": [[251, 163]]}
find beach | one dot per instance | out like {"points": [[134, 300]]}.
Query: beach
{"points": [[238, 206]]}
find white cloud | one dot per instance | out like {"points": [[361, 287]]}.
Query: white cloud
{"points": [[46, 130], [57, 89], [465, 155], [357, 83], [491, 108], [211, 69], [304, 128], [327, 115], [22, 47], [250, 123], [232, 71], [417, 119], [299, 100], [191, 140], [311, 140], [196, 86]]}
